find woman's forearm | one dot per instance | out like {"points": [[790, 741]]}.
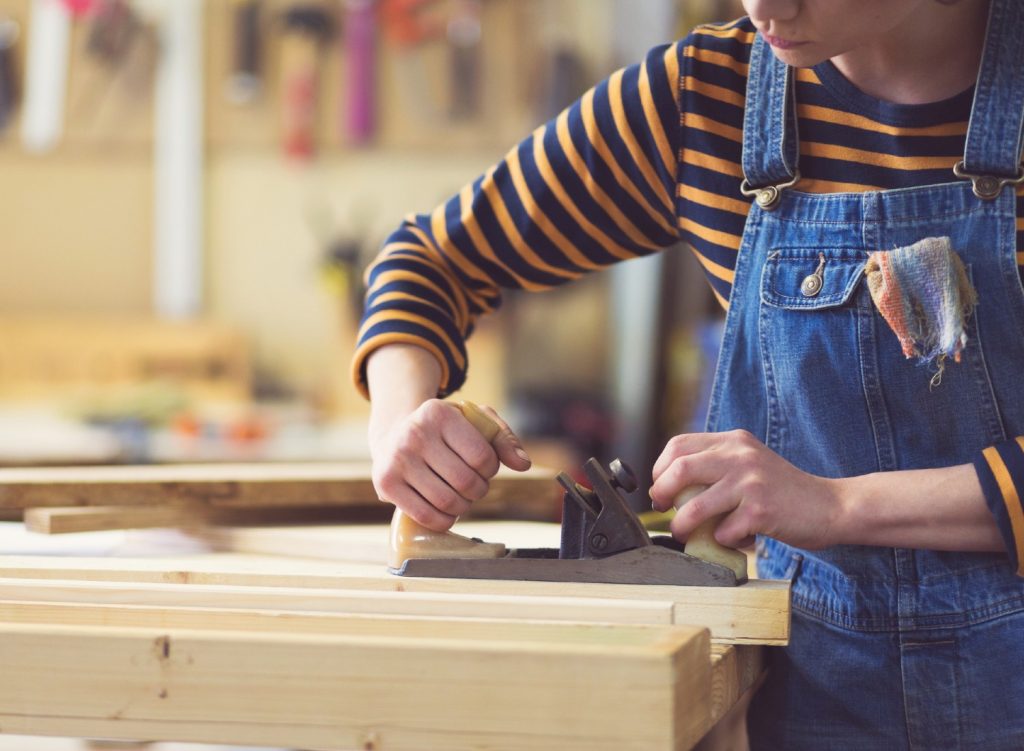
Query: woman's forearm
{"points": [[938, 509], [400, 378]]}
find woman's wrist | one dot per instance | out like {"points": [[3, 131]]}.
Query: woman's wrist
{"points": [[400, 378]]}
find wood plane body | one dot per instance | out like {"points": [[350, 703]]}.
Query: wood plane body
{"points": [[652, 564]]}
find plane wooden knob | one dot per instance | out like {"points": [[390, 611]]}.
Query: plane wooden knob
{"points": [[410, 539], [702, 543]]}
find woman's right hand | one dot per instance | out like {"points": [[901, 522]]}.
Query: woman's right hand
{"points": [[433, 464]]}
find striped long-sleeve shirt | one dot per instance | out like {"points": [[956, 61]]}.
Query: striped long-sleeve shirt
{"points": [[647, 158]]}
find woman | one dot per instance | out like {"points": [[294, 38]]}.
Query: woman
{"points": [[854, 199]]}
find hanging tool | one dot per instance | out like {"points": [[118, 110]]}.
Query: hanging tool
{"points": [[46, 75], [9, 30], [411, 24], [464, 34], [360, 45], [307, 27], [245, 83], [602, 541]]}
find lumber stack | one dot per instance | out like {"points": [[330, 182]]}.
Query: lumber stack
{"points": [[249, 650]]}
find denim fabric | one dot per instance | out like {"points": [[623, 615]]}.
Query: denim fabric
{"points": [[891, 648]]}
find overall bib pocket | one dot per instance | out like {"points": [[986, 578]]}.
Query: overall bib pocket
{"points": [[833, 367], [808, 326]]}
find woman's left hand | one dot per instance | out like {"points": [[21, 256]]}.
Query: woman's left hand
{"points": [[758, 490]]}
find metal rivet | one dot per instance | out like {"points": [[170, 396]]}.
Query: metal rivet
{"points": [[987, 187], [599, 541], [768, 198], [811, 286]]}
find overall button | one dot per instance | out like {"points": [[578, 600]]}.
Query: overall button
{"points": [[811, 285]]}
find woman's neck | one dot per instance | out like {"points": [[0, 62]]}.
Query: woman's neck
{"points": [[931, 57]]}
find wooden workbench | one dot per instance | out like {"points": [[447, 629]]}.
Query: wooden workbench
{"points": [[262, 650]]}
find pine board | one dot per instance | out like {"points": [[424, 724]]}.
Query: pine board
{"points": [[509, 686], [232, 486], [755, 613]]}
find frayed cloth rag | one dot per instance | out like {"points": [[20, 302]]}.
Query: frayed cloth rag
{"points": [[924, 294]]}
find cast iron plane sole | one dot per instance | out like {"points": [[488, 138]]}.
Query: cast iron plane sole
{"points": [[651, 564]]}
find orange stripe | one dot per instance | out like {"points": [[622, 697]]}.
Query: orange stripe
{"points": [[402, 315], [807, 75], [621, 178], [814, 112], [554, 184], [725, 239], [672, 69], [1020, 259], [654, 123], [368, 348], [875, 158], [720, 59], [1010, 498], [724, 31], [721, 300], [390, 296], [538, 217], [716, 270], [713, 126], [632, 144], [719, 93], [479, 240], [830, 186], [490, 189], [1020, 225], [404, 275], [700, 159], [459, 305], [451, 256], [451, 253], [713, 200]]}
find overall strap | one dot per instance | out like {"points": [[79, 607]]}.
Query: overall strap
{"points": [[770, 139], [995, 135]]}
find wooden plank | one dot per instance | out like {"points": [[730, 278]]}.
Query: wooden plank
{"points": [[513, 686], [237, 486], [340, 601], [58, 521], [365, 543], [734, 671], [757, 612]]}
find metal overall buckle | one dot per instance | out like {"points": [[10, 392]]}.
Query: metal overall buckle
{"points": [[769, 196], [987, 187]]}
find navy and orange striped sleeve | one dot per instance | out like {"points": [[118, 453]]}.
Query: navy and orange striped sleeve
{"points": [[1000, 470], [594, 186]]}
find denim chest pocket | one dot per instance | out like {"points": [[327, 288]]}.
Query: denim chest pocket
{"points": [[812, 305], [811, 279]]}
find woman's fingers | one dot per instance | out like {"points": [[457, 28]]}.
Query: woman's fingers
{"points": [[436, 463], [702, 468], [414, 504], [683, 445], [507, 445]]}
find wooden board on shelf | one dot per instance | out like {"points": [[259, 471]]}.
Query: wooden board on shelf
{"points": [[414, 685], [236, 486]]}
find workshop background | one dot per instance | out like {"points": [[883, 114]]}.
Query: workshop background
{"points": [[190, 190]]}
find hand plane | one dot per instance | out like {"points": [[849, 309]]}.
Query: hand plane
{"points": [[602, 540]]}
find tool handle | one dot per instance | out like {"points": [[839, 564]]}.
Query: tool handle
{"points": [[480, 420], [702, 543], [408, 535]]}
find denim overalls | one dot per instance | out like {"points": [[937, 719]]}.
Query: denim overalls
{"points": [[891, 648]]}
